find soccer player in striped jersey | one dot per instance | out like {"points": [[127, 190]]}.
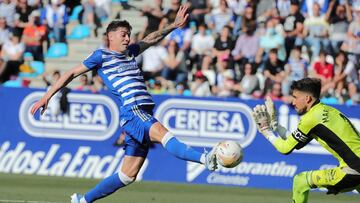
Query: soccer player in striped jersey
{"points": [[328, 126], [117, 67]]}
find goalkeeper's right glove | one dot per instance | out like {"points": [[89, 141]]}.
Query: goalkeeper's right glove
{"points": [[272, 112]]}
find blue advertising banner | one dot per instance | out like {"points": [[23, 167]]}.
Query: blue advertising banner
{"points": [[80, 143]]}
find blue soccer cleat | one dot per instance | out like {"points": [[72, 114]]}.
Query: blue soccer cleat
{"points": [[76, 198]]}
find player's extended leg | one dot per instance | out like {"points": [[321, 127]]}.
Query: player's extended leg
{"points": [[158, 133], [135, 153], [334, 179], [127, 174], [301, 187]]}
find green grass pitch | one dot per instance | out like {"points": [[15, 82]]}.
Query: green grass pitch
{"points": [[42, 189]]}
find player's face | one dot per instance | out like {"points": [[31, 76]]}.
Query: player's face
{"points": [[119, 40], [300, 101]]}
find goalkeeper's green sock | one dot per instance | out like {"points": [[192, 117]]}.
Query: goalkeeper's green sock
{"points": [[301, 187]]}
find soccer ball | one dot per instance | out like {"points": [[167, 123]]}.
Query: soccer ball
{"points": [[229, 154]]}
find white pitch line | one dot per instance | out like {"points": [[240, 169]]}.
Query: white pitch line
{"points": [[23, 201]]}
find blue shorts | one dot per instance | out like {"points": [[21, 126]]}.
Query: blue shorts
{"points": [[137, 139]]}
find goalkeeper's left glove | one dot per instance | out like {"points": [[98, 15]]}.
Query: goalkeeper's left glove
{"points": [[272, 113]]}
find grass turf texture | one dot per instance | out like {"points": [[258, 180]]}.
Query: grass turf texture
{"points": [[41, 189]]}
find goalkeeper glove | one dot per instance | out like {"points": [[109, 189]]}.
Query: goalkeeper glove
{"points": [[262, 118], [272, 113]]}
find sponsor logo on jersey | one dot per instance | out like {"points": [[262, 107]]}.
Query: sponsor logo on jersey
{"points": [[90, 117], [204, 123]]}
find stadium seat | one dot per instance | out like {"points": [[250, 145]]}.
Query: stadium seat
{"points": [[79, 32], [57, 50], [75, 13], [37, 66]]}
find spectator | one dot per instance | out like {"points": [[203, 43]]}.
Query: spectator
{"points": [[2, 67], [316, 31], [264, 9], [246, 46], [23, 11], [182, 36], [283, 8], [200, 87], [170, 13], [295, 69], [55, 17], [154, 16], [153, 61], [7, 11], [221, 17], [33, 36], [249, 82], [12, 52], [175, 68], [354, 88], [104, 41], [249, 16], [88, 16], [201, 46], [85, 85], [183, 89], [225, 84], [323, 71], [238, 8], [344, 71], [222, 48], [308, 5], [275, 92], [4, 32], [352, 44], [103, 9], [157, 88], [198, 10], [59, 102], [339, 22], [293, 27], [272, 39], [274, 70], [97, 83]]}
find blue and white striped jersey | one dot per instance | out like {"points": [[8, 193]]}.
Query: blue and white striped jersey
{"points": [[123, 77]]}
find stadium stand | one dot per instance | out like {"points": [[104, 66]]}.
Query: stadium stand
{"points": [[287, 27]]}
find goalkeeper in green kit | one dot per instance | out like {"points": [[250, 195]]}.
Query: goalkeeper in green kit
{"points": [[328, 126]]}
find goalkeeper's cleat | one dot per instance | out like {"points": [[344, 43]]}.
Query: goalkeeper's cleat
{"points": [[76, 198], [210, 159]]}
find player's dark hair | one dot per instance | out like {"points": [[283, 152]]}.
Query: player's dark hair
{"points": [[309, 85], [115, 24]]}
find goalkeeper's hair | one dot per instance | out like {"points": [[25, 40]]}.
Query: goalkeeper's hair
{"points": [[309, 85]]}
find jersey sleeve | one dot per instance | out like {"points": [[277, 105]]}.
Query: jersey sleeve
{"points": [[94, 60], [134, 49], [302, 133]]}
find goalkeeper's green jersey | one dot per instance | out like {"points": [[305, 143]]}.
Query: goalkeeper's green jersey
{"points": [[331, 129]]}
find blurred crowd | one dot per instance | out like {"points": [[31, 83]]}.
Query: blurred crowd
{"points": [[230, 48]]}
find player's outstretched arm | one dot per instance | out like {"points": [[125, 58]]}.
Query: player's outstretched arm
{"points": [[263, 119], [62, 82], [155, 37]]}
